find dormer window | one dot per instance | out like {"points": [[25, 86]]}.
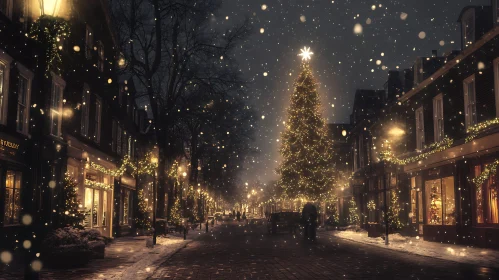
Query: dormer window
{"points": [[418, 71], [468, 27]]}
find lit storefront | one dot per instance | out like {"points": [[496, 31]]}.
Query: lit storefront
{"points": [[95, 188], [12, 171]]}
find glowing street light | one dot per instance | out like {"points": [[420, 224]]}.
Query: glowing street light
{"points": [[49, 7], [396, 132]]}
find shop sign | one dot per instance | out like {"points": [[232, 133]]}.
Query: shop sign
{"points": [[11, 148], [434, 172]]}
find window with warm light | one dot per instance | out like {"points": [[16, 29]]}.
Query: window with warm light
{"points": [[101, 58], [440, 202], [12, 197], [486, 199]]}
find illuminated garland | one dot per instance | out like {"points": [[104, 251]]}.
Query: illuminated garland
{"points": [[477, 128], [51, 32], [146, 166], [489, 170], [97, 185], [433, 148]]}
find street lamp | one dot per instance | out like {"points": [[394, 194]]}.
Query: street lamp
{"points": [[49, 7], [154, 160]]}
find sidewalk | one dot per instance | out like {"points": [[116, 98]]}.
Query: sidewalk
{"points": [[416, 245], [125, 258]]}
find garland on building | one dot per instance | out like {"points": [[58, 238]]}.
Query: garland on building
{"points": [[353, 216], [394, 212], [489, 170], [433, 148], [69, 213], [98, 185], [477, 128], [51, 32]]}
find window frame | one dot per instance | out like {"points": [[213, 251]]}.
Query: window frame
{"points": [[85, 112], [56, 81], [6, 60], [496, 83], [438, 115], [26, 74], [482, 193], [420, 132], [470, 120]]}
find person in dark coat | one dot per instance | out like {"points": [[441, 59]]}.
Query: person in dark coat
{"points": [[309, 220], [244, 216], [238, 215]]}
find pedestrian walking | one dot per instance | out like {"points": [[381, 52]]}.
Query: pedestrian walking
{"points": [[238, 215], [244, 216]]}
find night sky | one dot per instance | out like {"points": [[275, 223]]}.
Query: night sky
{"points": [[394, 33]]}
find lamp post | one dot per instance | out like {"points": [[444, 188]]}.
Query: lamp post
{"points": [[154, 160], [394, 134]]}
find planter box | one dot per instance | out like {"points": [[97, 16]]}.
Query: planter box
{"points": [[68, 256], [98, 249]]}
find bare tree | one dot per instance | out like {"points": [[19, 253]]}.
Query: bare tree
{"points": [[171, 51]]}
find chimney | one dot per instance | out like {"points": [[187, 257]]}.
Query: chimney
{"points": [[434, 53]]}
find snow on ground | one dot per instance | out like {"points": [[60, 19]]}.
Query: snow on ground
{"points": [[416, 245]]}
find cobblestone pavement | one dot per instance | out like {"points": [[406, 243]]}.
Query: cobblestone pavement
{"points": [[237, 251]]}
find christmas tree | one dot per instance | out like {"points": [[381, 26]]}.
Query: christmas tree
{"points": [[306, 169], [434, 207], [176, 217], [69, 213], [353, 216], [394, 212], [142, 219]]}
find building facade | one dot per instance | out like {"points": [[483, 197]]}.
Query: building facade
{"points": [[441, 136]]}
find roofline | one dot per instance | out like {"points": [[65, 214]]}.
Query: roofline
{"points": [[449, 65]]}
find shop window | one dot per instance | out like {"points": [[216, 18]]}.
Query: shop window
{"points": [[440, 202], [85, 111], [104, 208], [12, 197], [413, 200], [470, 101], [125, 207], [486, 199]]}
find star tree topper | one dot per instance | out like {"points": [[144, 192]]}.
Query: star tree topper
{"points": [[305, 54]]}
